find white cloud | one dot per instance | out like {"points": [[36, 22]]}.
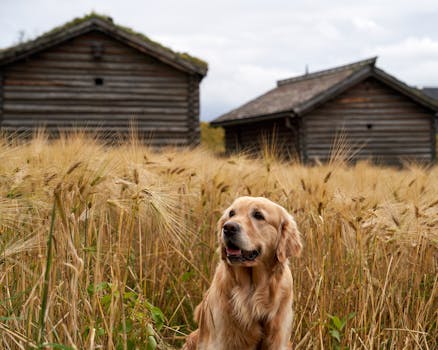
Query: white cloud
{"points": [[414, 60], [328, 30], [367, 25], [411, 48]]}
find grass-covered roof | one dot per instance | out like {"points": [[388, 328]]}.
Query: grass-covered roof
{"points": [[8, 54]]}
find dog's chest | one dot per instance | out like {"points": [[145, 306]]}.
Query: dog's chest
{"points": [[250, 305]]}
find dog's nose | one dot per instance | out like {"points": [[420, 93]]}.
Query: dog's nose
{"points": [[230, 229]]}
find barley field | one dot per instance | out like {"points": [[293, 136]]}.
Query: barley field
{"points": [[112, 247]]}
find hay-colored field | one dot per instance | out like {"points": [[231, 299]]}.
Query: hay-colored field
{"points": [[112, 248]]}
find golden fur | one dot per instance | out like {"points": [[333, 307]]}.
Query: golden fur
{"points": [[249, 303]]}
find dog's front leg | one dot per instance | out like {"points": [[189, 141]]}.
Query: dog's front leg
{"points": [[278, 331]]}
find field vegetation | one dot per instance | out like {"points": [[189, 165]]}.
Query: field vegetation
{"points": [[213, 138], [112, 247]]}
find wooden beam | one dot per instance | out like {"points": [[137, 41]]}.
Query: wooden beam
{"points": [[193, 111], [433, 132], [303, 132], [1, 95]]}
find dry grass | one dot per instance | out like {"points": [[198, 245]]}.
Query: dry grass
{"points": [[134, 235]]}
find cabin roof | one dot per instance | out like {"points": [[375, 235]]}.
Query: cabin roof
{"points": [[298, 95], [94, 21]]}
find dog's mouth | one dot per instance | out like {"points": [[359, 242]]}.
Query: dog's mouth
{"points": [[235, 254]]}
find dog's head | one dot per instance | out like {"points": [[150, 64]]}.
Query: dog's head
{"points": [[256, 230]]}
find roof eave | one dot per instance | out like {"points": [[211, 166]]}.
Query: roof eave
{"points": [[413, 93], [253, 119]]}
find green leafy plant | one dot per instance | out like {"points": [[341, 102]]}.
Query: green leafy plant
{"points": [[336, 328], [142, 323]]}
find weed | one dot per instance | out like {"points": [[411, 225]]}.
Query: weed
{"points": [[336, 327]]}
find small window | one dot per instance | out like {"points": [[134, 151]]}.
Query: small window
{"points": [[98, 81], [369, 126]]}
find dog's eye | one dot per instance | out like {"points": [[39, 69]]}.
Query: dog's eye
{"points": [[232, 213], [258, 215]]}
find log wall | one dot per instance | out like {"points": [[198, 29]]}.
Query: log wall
{"points": [[279, 136], [97, 82], [376, 122]]}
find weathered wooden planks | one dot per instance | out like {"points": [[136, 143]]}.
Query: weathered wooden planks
{"points": [[376, 122], [1, 96], [275, 135], [66, 87]]}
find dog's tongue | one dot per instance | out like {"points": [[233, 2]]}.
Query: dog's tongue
{"points": [[233, 251]]}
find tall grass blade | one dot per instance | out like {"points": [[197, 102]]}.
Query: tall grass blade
{"points": [[45, 290]]}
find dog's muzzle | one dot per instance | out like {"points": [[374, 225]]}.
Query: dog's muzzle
{"points": [[234, 253]]}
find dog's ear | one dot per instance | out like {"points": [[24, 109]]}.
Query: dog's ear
{"points": [[289, 242]]}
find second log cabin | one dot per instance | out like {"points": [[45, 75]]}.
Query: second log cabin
{"points": [[356, 109]]}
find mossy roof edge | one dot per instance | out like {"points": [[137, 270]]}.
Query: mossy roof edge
{"points": [[184, 56]]}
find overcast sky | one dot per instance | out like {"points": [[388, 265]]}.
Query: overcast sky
{"points": [[250, 44]]}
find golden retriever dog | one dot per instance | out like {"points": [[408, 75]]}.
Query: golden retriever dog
{"points": [[249, 303]]}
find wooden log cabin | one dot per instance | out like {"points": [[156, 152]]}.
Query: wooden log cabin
{"points": [[95, 75], [356, 106]]}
